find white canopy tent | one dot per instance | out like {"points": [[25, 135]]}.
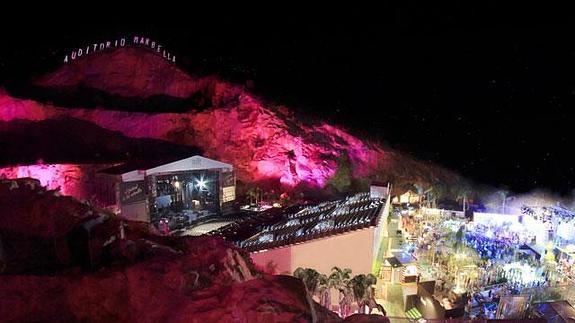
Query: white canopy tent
{"points": [[188, 164]]}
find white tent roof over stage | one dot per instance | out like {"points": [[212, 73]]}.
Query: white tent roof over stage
{"points": [[187, 164]]}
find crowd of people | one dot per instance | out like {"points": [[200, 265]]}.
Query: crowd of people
{"points": [[488, 248], [496, 260], [495, 246]]}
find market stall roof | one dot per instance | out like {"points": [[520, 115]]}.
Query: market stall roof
{"points": [[404, 257], [537, 249], [393, 262]]}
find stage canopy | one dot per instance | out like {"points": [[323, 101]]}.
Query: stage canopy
{"points": [[183, 165]]}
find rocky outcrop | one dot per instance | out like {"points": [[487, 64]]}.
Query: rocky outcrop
{"points": [[35, 227], [141, 277], [81, 181], [27, 207], [207, 280], [61, 140], [367, 318], [138, 294]]}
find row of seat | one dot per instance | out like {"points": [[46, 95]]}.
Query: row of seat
{"points": [[286, 234], [253, 245]]}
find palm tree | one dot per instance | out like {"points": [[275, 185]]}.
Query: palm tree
{"points": [[458, 241], [361, 287], [503, 193], [259, 194], [346, 298], [323, 291], [339, 279], [419, 190], [251, 194], [438, 192], [310, 279], [463, 195]]}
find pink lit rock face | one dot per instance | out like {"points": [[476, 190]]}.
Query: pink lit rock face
{"points": [[12, 109], [263, 141], [255, 140], [66, 178], [259, 142], [79, 181]]}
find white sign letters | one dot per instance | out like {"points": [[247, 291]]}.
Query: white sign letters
{"points": [[135, 41]]}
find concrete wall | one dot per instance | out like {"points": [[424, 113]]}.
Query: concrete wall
{"points": [[352, 250], [379, 233]]}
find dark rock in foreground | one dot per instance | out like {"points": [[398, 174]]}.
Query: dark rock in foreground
{"points": [[210, 282], [366, 318], [140, 277]]}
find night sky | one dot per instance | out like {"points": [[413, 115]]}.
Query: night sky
{"points": [[486, 91]]}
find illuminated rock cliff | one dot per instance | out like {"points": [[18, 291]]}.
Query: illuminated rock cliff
{"points": [[264, 141]]}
